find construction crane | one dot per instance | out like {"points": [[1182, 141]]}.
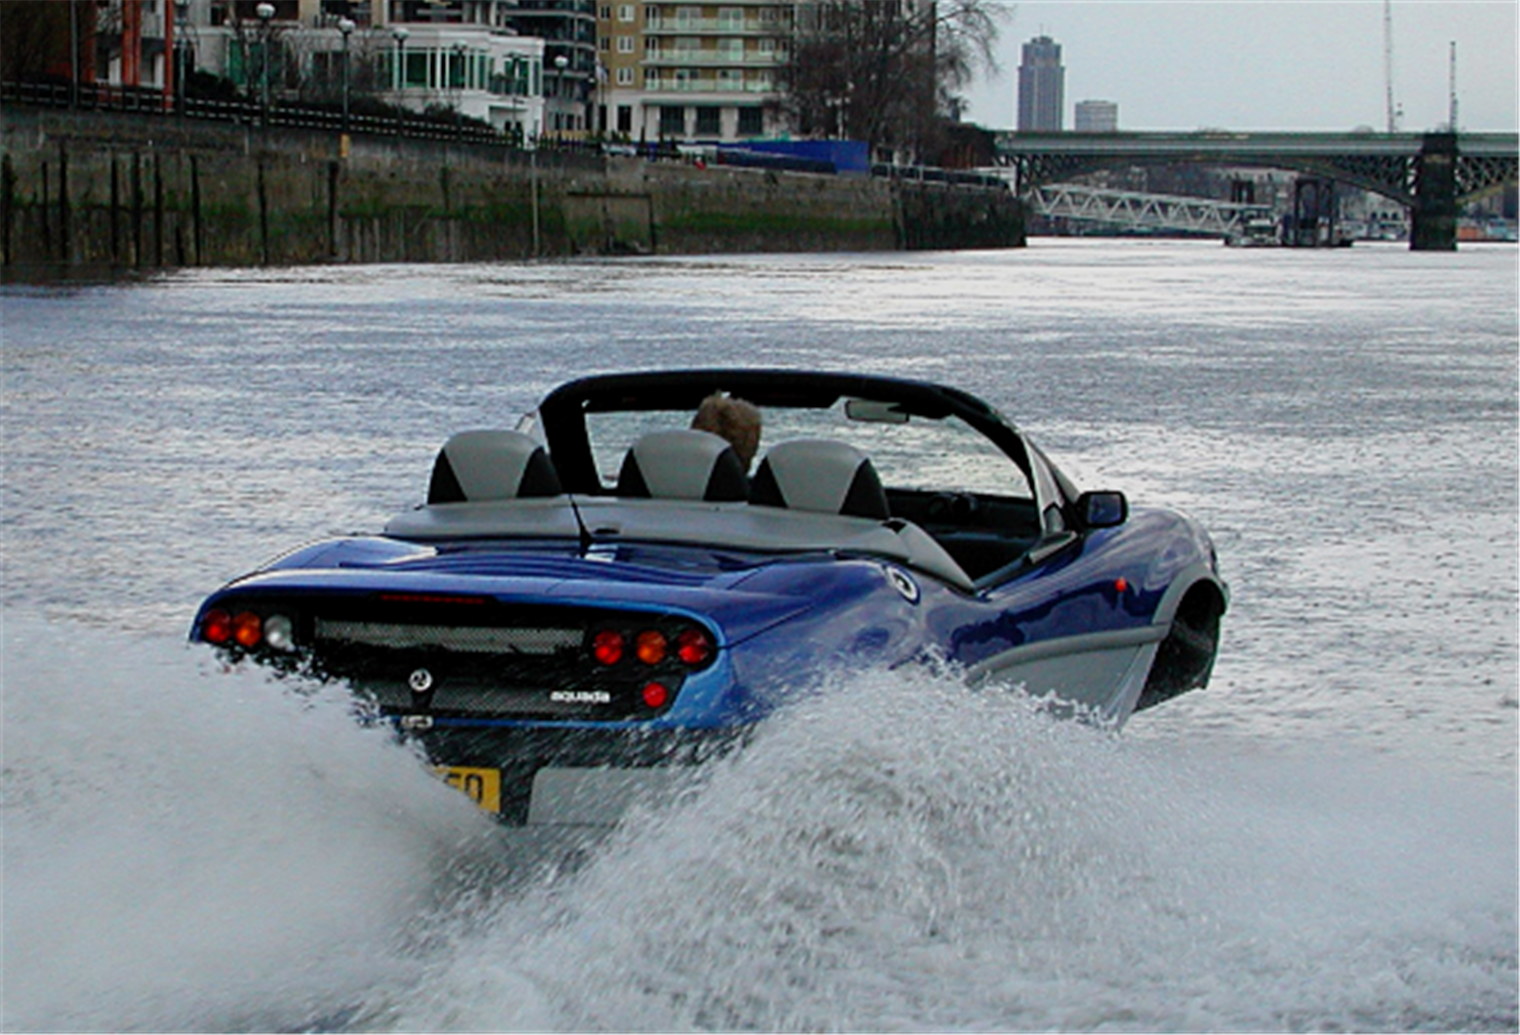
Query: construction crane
{"points": [[1393, 112]]}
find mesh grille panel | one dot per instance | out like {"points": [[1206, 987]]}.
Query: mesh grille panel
{"points": [[466, 639]]}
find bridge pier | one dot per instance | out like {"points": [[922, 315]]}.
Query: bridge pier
{"points": [[1433, 220], [1312, 224]]}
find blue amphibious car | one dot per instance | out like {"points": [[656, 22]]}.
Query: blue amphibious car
{"points": [[603, 594]]}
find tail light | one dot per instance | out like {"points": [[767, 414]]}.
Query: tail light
{"points": [[607, 647], [649, 646], [216, 626], [691, 646], [248, 630], [655, 695]]}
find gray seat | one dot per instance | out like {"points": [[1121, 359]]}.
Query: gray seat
{"points": [[683, 465], [821, 476], [492, 465]]}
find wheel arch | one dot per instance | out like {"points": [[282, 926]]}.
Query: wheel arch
{"points": [[1191, 609]]}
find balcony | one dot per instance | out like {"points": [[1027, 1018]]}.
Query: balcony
{"points": [[726, 87], [712, 27], [700, 57]]}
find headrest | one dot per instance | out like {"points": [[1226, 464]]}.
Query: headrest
{"points": [[818, 475], [491, 465], [683, 465]]}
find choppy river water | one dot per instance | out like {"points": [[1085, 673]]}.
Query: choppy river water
{"points": [[1325, 839]]}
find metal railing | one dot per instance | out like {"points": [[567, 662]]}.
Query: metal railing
{"points": [[143, 101]]}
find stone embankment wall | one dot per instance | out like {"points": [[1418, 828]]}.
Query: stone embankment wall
{"points": [[86, 191]]}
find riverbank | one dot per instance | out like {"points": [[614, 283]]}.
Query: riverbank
{"points": [[89, 191]]}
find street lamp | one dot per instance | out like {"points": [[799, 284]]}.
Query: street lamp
{"points": [[399, 34], [265, 13], [346, 27], [561, 63], [181, 50], [460, 51]]}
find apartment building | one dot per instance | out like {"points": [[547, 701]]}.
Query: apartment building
{"points": [[683, 71]]}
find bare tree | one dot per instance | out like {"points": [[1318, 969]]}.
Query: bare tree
{"points": [[34, 41], [885, 71]]}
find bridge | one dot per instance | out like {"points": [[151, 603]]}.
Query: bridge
{"points": [[1428, 173], [1137, 211]]}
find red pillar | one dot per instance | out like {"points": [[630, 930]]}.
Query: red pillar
{"points": [[171, 54], [131, 42]]}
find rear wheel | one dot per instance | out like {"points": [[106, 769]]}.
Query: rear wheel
{"points": [[1185, 658]]}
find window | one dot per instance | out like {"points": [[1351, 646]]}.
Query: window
{"points": [[751, 122], [672, 120], [625, 114], [730, 79], [730, 19], [605, 12], [625, 12], [651, 78], [625, 44], [604, 44], [625, 77], [415, 68], [709, 121], [731, 50]]}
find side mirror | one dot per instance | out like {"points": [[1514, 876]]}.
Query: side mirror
{"points": [[1102, 509]]}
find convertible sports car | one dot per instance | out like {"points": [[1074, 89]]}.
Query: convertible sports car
{"points": [[604, 594]]}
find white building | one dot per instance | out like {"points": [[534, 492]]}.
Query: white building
{"points": [[482, 71], [1097, 117], [466, 56]]}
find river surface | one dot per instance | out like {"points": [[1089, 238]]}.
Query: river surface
{"points": [[1325, 839]]}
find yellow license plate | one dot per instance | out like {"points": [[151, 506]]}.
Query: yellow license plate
{"points": [[482, 786]]}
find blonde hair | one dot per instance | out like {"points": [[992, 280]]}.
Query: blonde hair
{"points": [[734, 419]]}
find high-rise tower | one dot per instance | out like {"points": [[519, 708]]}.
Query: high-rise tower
{"points": [[1042, 86]]}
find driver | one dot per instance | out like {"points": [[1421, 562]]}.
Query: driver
{"points": [[736, 420]]}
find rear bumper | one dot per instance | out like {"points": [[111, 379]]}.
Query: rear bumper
{"points": [[581, 776]]}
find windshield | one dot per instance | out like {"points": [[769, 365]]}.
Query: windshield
{"points": [[915, 454]]}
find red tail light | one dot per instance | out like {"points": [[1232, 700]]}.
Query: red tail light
{"points": [[607, 647], [693, 647], [655, 695], [216, 626]]}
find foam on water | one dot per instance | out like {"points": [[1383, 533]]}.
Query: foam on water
{"points": [[186, 848], [904, 854]]}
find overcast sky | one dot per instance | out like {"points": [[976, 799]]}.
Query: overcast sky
{"points": [[1266, 64]]}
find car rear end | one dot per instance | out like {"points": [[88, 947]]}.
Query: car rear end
{"points": [[546, 699]]}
